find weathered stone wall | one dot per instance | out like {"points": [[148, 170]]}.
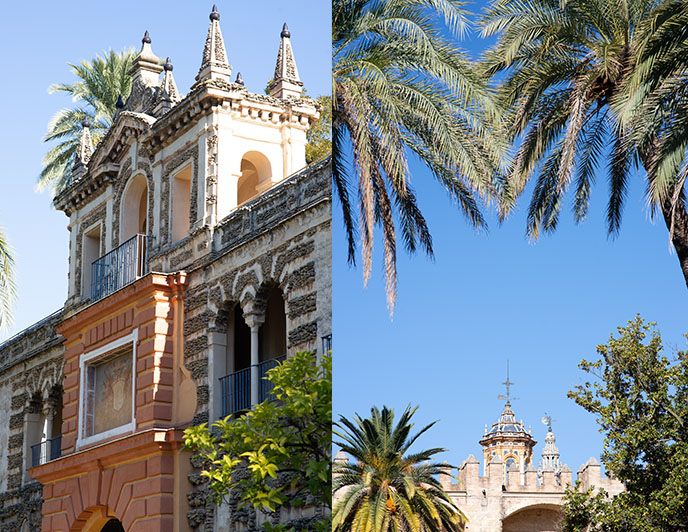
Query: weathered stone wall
{"points": [[525, 503], [30, 365], [282, 238]]}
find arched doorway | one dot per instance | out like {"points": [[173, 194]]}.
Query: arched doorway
{"points": [[537, 518], [134, 210], [113, 525]]}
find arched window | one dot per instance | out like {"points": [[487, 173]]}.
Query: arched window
{"points": [[134, 208], [256, 176], [273, 332]]}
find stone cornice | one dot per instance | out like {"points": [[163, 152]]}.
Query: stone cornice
{"points": [[105, 455], [234, 97], [146, 285]]}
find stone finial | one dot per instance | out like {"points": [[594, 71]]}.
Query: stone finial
{"points": [[239, 80], [146, 67], [341, 457], [119, 104], [472, 459], [84, 150], [214, 64], [285, 82]]}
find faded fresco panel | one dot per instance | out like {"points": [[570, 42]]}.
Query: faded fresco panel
{"points": [[113, 393]]}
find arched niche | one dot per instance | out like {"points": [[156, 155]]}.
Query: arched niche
{"points": [[181, 203], [134, 208], [256, 176]]}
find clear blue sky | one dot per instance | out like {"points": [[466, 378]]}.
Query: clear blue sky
{"points": [[489, 298], [37, 41]]}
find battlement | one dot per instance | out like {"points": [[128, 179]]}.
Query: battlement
{"points": [[468, 481]]}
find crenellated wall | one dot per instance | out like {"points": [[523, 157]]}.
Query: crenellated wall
{"points": [[524, 503]]}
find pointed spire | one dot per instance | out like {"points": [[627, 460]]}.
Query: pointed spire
{"points": [[84, 150], [239, 80], [119, 104], [168, 95], [285, 82], [214, 64]]}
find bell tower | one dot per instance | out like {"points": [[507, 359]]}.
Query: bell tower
{"points": [[508, 438]]}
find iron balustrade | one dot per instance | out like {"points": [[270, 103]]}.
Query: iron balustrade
{"points": [[46, 451], [120, 267], [265, 386], [235, 388], [236, 392]]}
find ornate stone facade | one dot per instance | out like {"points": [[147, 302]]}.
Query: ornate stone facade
{"points": [[211, 248]]}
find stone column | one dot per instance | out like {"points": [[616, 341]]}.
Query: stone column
{"points": [[49, 411], [254, 322]]}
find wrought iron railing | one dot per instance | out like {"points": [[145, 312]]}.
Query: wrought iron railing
{"points": [[235, 388], [236, 392], [120, 267], [265, 386], [46, 451]]}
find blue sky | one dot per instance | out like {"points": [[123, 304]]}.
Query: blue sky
{"points": [[36, 43], [484, 299], [491, 297]]}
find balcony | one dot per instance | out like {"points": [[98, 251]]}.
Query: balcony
{"points": [[46, 451], [120, 267], [236, 387]]}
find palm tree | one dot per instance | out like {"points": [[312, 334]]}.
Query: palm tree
{"points": [[402, 88], [7, 286], [101, 82], [388, 488], [656, 114], [570, 91]]}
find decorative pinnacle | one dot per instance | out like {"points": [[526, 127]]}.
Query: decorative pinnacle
{"points": [[214, 15], [285, 31], [239, 79], [146, 38], [119, 104], [168, 65]]}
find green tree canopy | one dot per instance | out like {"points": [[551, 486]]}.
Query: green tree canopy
{"points": [[320, 134], [285, 444], [640, 399], [101, 81], [389, 488], [403, 90]]}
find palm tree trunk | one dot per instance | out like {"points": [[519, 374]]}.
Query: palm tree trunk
{"points": [[680, 237]]}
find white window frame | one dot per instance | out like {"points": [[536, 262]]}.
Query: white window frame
{"points": [[81, 439]]}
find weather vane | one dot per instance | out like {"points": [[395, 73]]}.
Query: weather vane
{"points": [[547, 420], [508, 383]]}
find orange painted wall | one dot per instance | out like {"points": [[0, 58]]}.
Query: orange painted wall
{"points": [[130, 476]]}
